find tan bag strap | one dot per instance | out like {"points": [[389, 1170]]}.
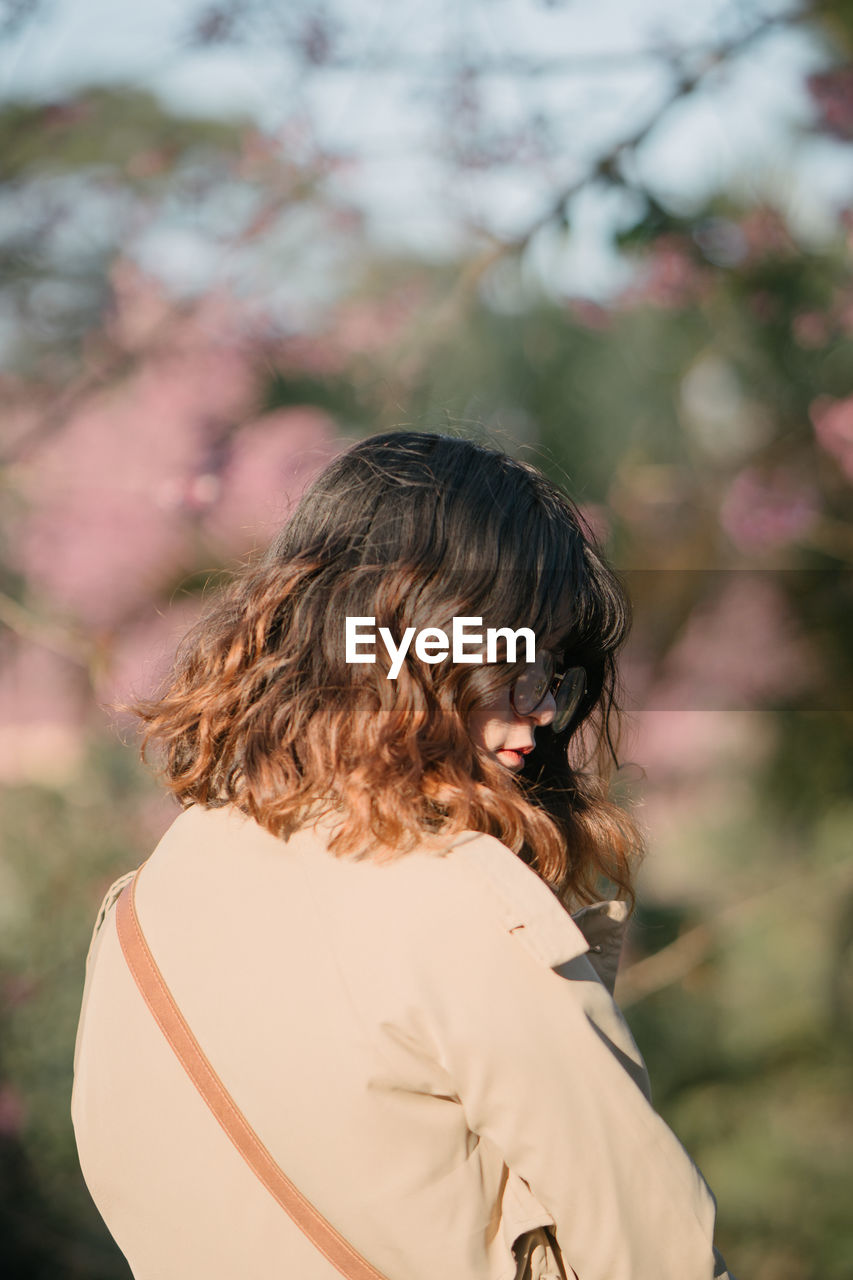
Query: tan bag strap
{"points": [[172, 1023]]}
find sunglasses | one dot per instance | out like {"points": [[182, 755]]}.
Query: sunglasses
{"points": [[531, 689]]}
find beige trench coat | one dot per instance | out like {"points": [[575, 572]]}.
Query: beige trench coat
{"points": [[428, 1047]]}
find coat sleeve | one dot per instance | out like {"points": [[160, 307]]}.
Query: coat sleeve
{"points": [[539, 1078], [108, 900]]}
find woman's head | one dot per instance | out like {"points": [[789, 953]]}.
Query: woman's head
{"points": [[412, 530]]}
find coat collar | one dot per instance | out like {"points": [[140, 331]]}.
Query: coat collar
{"points": [[532, 911], [603, 924]]}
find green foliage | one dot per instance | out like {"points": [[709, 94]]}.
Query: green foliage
{"points": [[106, 129], [62, 848], [749, 1055], [79, 180]]}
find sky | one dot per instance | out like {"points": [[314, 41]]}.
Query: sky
{"points": [[745, 130]]}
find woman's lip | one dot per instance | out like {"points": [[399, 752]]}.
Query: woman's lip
{"points": [[516, 755]]}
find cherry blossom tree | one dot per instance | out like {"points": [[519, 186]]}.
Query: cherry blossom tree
{"points": [[194, 319]]}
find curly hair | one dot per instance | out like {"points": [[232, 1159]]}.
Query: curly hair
{"points": [[263, 712]]}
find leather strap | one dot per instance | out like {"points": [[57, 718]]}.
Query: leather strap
{"points": [[172, 1023]]}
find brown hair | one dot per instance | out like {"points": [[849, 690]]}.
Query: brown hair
{"points": [[412, 529]]}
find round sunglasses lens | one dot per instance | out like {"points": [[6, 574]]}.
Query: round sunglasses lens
{"points": [[530, 689], [527, 694], [569, 697]]}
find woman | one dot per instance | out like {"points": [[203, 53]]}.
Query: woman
{"points": [[363, 911]]}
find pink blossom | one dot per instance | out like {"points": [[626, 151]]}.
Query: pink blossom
{"points": [[113, 494], [142, 654], [833, 425], [832, 92], [45, 700], [843, 309], [671, 276], [12, 1111], [589, 314], [23, 412], [272, 461], [598, 519], [311, 355], [766, 234], [18, 988], [656, 500], [102, 531], [739, 650], [765, 510], [764, 305], [697, 766], [360, 327], [148, 163], [811, 329], [370, 325], [141, 306], [152, 815], [260, 154], [678, 744]]}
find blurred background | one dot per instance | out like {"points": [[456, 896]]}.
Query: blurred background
{"points": [[614, 238]]}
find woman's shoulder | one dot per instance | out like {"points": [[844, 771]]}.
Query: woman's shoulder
{"points": [[467, 883]]}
